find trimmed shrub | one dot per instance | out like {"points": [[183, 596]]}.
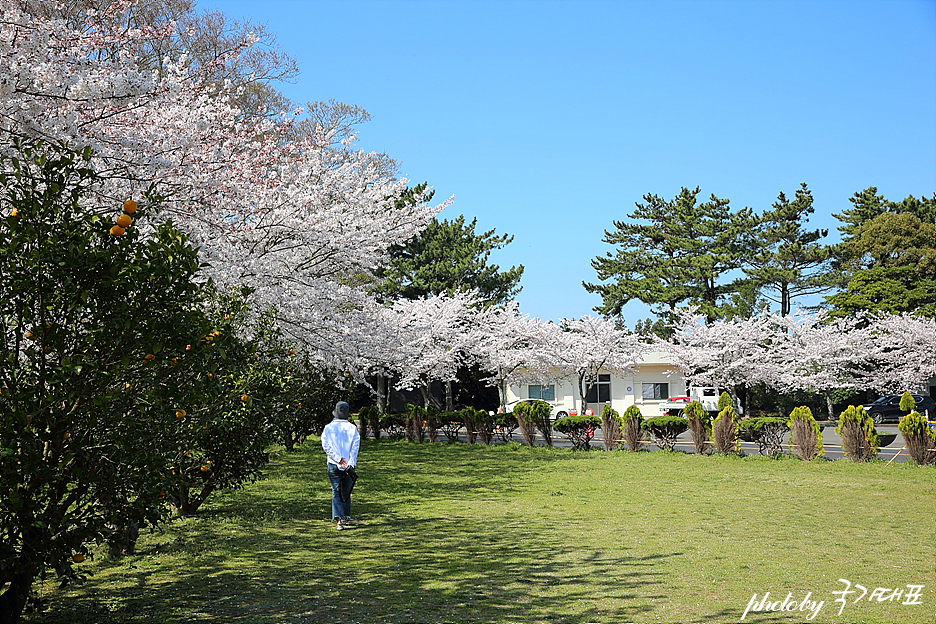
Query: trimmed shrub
{"points": [[432, 421], [700, 425], [505, 425], [451, 423], [525, 422], [919, 437], [633, 433], [724, 400], [907, 403], [725, 430], [485, 423], [369, 420], [805, 436], [371, 413], [579, 429], [394, 425], [767, 431], [415, 417], [859, 439], [665, 429], [540, 412], [471, 427], [610, 428]]}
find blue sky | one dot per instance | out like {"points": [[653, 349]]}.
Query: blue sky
{"points": [[548, 119]]}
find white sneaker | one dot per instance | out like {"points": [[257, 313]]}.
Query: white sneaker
{"points": [[340, 524]]}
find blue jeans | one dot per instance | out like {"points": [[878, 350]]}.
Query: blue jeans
{"points": [[341, 489]]}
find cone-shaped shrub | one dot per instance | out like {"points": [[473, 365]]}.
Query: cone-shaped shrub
{"points": [[805, 436], [471, 427], [700, 424], [525, 422], [485, 423], [539, 412], [633, 432], [610, 428], [432, 423], [367, 421], [725, 430], [724, 400], [919, 438], [859, 439], [907, 403], [415, 416]]}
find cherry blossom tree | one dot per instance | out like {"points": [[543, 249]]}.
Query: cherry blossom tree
{"points": [[302, 218], [817, 353], [436, 335], [905, 357], [726, 354], [589, 345], [513, 348]]}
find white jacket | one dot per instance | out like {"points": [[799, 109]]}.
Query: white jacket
{"points": [[341, 440]]}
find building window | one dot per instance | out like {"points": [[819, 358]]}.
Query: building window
{"points": [[543, 393], [656, 391], [601, 391]]}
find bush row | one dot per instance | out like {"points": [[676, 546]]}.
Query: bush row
{"points": [[860, 440]]}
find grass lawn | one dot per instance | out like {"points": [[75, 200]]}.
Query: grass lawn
{"points": [[464, 534]]}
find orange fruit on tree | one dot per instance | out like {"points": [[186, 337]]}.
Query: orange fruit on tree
{"points": [[244, 397], [180, 413], [117, 230], [77, 557], [129, 206], [149, 356], [124, 220], [205, 468], [14, 213]]}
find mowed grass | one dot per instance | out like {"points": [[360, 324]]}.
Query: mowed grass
{"points": [[463, 534]]}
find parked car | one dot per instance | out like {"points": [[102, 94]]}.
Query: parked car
{"points": [[888, 408], [555, 413]]}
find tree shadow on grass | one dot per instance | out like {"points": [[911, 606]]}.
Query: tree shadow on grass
{"points": [[390, 570]]}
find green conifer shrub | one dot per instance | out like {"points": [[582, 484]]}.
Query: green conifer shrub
{"points": [[633, 432], [907, 403], [859, 439], [415, 419], [525, 422], [805, 436], [700, 425], [471, 427], [724, 400], [540, 413], [725, 430], [919, 437], [610, 428], [368, 420], [485, 424]]}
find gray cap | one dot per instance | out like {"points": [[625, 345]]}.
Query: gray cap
{"points": [[342, 411]]}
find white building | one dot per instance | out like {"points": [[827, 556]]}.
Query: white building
{"points": [[655, 381]]}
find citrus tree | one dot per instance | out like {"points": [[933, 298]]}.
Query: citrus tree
{"points": [[95, 323]]}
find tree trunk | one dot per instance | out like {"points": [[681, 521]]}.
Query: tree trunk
{"points": [[13, 600], [502, 394], [381, 391], [449, 398], [828, 396]]}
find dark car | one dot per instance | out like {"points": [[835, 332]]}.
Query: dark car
{"points": [[888, 408]]}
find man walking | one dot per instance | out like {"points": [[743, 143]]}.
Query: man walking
{"points": [[341, 441]]}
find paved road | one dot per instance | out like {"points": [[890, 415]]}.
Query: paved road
{"points": [[830, 442]]}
